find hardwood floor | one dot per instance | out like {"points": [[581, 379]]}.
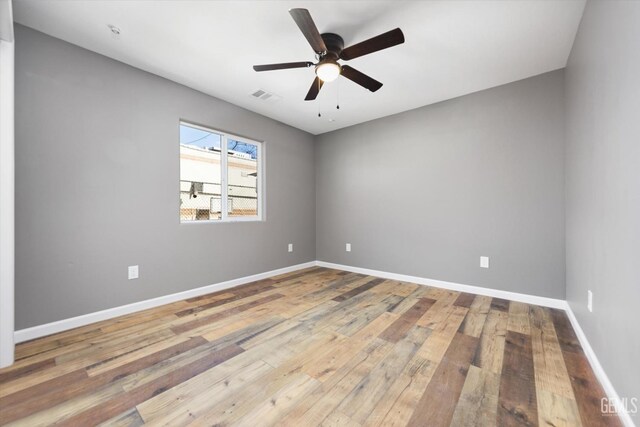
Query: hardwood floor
{"points": [[314, 347]]}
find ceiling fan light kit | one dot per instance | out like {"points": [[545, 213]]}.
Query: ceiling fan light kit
{"points": [[329, 48], [328, 71]]}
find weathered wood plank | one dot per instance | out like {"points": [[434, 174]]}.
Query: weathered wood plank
{"points": [[130, 418], [491, 347], [588, 391], [478, 403], [442, 336], [398, 329], [370, 284], [409, 397], [363, 399], [338, 386], [397, 393], [500, 304], [438, 403], [550, 371], [519, 318], [565, 333], [21, 371], [517, 404], [180, 404], [464, 300], [326, 365], [178, 329], [476, 316]]}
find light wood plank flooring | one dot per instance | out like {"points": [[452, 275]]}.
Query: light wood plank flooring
{"points": [[313, 347]]}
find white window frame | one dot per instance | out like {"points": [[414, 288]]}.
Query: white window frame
{"points": [[224, 188]]}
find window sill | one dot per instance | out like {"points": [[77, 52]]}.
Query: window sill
{"points": [[220, 221]]}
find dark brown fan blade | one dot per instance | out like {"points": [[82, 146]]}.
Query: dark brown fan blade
{"points": [[314, 89], [309, 29], [283, 66], [383, 41], [360, 78]]}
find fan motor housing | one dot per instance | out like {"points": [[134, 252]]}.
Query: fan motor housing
{"points": [[334, 44]]}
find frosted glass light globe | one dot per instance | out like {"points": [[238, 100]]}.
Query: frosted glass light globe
{"points": [[328, 71]]}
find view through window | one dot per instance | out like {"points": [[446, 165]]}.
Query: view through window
{"points": [[219, 176]]}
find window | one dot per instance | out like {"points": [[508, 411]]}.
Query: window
{"points": [[220, 176]]}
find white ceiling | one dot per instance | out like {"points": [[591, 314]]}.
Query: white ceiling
{"points": [[452, 48]]}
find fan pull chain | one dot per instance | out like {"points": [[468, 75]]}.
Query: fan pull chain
{"points": [[338, 94], [318, 102]]}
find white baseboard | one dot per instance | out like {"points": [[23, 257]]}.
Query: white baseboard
{"points": [[495, 293], [86, 319], [598, 370], [75, 322]]}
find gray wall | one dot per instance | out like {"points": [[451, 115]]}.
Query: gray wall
{"points": [[427, 192], [97, 186], [603, 186]]}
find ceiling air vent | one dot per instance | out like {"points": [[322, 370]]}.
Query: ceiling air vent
{"points": [[263, 95]]}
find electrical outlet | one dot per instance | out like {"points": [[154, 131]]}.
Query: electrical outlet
{"points": [[290, 247], [590, 301], [347, 247], [133, 272], [484, 261]]}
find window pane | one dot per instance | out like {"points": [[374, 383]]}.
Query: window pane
{"points": [[242, 164], [200, 174]]}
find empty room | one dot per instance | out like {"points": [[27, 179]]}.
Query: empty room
{"points": [[320, 213]]}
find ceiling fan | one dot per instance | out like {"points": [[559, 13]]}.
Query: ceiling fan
{"points": [[329, 48]]}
